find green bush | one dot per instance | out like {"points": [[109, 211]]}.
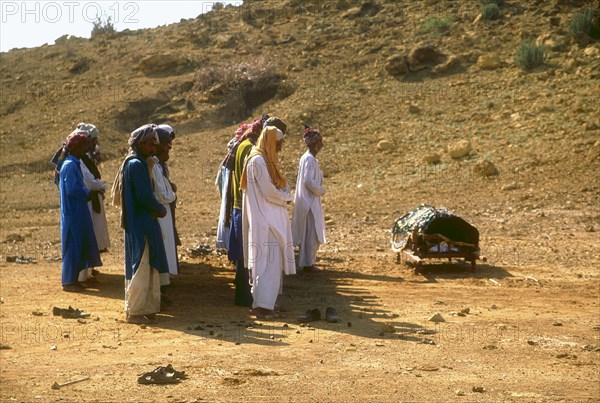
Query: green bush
{"points": [[490, 12], [437, 25], [581, 23], [496, 2], [530, 55], [103, 27]]}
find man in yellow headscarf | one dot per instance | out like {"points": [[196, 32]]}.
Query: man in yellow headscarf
{"points": [[268, 245]]}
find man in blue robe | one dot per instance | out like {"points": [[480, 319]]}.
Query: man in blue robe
{"points": [[145, 259], [79, 247]]}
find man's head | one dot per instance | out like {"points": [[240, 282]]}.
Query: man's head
{"points": [[92, 133], [78, 143], [278, 123], [144, 140], [313, 140], [165, 141]]}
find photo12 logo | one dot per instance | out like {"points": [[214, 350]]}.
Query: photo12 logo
{"points": [[68, 11]]}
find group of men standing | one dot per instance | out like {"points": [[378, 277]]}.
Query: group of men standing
{"points": [[147, 198], [254, 224]]}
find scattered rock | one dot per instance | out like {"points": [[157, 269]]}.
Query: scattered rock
{"points": [[388, 328], [397, 65], [459, 149], [466, 310], [459, 392], [14, 238], [165, 64], [557, 324], [490, 347], [570, 64], [494, 306], [489, 62], [438, 318], [532, 342], [486, 168], [510, 186], [4, 346], [414, 109], [428, 368], [385, 145], [225, 41], [424, 55], [432, 158], [478, 389], [451, 63], [53, 348], [591, 51]]}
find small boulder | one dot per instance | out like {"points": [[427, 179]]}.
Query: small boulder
{"points": [[397, 65], [459, 149], [489, 62], [486, 168], [414, 109], [510, 186], [432, 158], [437, 317], [165, 63], [591, 51], [385, 145], [225, 41], [425, 55]]}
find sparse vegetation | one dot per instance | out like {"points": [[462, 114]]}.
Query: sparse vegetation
{"points": [[499, 3], [490, 12], [103, 27], [218, 6], [241, 87], [530, 55], [437, 25], [581, 23]]}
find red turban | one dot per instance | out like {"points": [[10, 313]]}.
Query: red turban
{"points": [[77, 138], [311, 136]]}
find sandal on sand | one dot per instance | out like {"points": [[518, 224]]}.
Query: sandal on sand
{"points": [[139, 319], [77, 287], [263, 313], [331, 315], [310, 315], [70, 313], [162, 376]]}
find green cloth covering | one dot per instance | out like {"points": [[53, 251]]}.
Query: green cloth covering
{"points": [[240, 157]]}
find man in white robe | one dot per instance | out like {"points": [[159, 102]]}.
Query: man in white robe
{"points": [[268, 246], [164, 193], [93, 182], [308, 218]]}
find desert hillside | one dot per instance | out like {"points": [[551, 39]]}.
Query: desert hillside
{"points": [[418, 102]]}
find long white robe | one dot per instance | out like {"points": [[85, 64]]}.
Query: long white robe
{"points": [[222, 183], [98, 219], [165, 195], [308, 206], [268, 245]]}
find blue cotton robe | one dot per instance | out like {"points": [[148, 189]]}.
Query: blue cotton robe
{"points": [[138, 204], [79, 247]]}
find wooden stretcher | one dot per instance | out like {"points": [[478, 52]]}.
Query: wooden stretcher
{"points": [[419, 246]]}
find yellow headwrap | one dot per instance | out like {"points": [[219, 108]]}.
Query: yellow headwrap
{"points": [[266, 147]]}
